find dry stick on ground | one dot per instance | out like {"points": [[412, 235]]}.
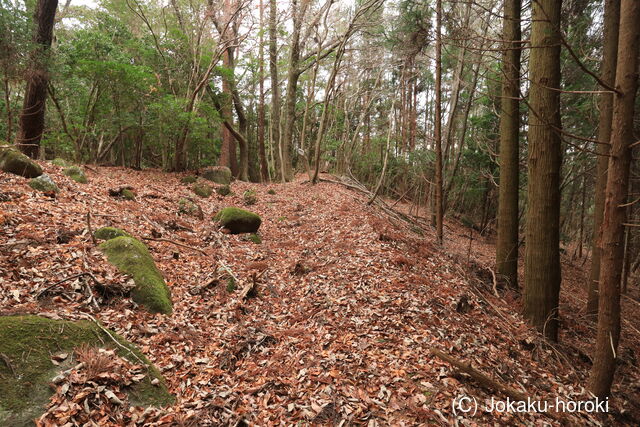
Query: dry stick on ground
{"points": [[93, 238], [175, 243], [75, 276], [106, 331], [489, 383]]}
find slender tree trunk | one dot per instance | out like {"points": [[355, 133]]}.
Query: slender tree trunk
{"points": [[7, 100], [439, 212], [275, 85], [612, 230], [542, 252], [607, 75], [264, 168], [31, 121], [507, 243]]}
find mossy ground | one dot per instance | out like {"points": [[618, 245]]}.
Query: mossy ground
{"points": [[249, 197], [108, 233], [60, 162], [27, 344], [223, 190], [202, 189], [238, 220], [128, 194], [189, 179], [133, 258]]}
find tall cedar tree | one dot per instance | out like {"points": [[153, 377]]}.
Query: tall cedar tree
{"points": [[608, 76], [31, 121], [542, 251], [275, 85], [615, 213], [507, 244], [439, 212]]}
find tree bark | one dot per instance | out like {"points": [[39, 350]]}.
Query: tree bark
{"points": [[31, 120], [615, 214], [275, 85], [438, 206], [542, 251], [507, 243], [607, 75], [264, 168]]}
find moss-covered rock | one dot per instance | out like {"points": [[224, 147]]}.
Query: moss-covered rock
{"points": [[43, 183], [202, 189], [223, 190], [271, 191], [13, 161], [249, 197], [189, 179], [238, 220], [75, 173], [26, 370], [128, 194], [255, 238], [108, 233], [133, 258], [60, 162], [217, 174], [189, 207]]}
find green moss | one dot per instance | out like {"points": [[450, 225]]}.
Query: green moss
{"points": [[75, 173], [202, 189], [27, 343], [108, 233], [132, 257], [128, 194], [224, 190], [60, 162], [271, 191], [189, 179], [13, 161], [238, 220], [249, 197], [231, 285], [43, 183], [255, 238]]}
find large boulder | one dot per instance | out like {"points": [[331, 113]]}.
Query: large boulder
{"points": [[27, 344], [43, 183], [238, 221], [13, 161], [133, 258], [217, 174], [75, 173]]}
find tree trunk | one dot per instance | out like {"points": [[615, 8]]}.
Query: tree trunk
{"points": [[607, 75], [542, 252], [31, 121], [612, 229], [438, 127], [275, 85], [507, 242], [264, 168]]}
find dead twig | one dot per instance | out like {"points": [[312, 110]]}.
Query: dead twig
{"points": [[93, 238]]}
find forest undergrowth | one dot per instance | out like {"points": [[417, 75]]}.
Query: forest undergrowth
{"points": [[348, 307]]}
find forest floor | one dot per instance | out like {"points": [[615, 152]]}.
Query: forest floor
{"points": [[350, 302]]}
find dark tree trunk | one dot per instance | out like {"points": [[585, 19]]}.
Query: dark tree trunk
{"points": [[264, 168], [275, 85], [615, 213], [31, 121], [507, 244], [607, 75], [438, 206], [542, 252]]}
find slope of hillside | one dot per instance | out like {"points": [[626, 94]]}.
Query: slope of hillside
{"points": [[349, 304]]}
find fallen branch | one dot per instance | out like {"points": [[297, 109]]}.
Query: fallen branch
{"points": [[175, 243], [93, 238], [106, 331]]}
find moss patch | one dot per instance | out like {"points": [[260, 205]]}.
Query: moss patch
{"points": [[133, 258], [255, 238], [43, 183], [27, 343], [238, 220], [60, 162], [271, 191], [13, 161], [128, 194], [189, 207], [202, 189], [189, 179], [75, 173], [224, 190], [108, 233], [249, 197]]}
